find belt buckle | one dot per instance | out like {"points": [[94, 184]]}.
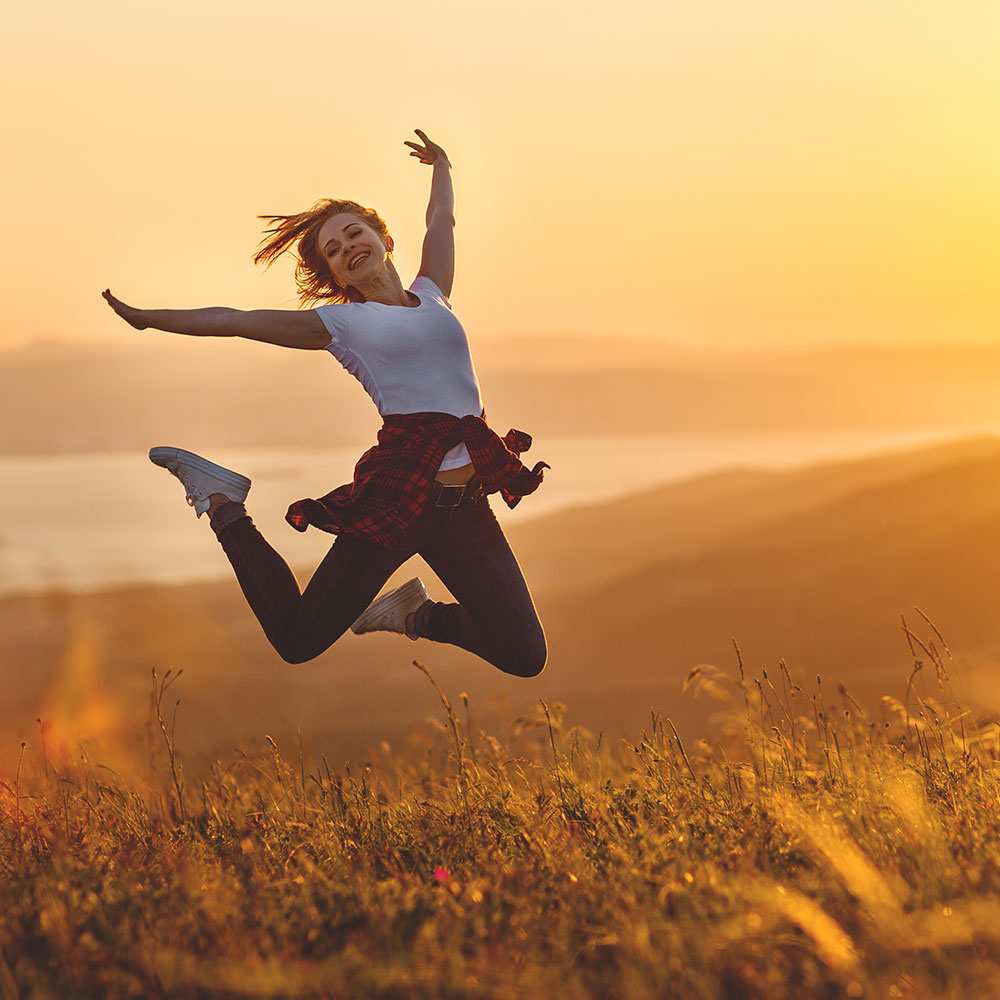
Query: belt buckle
{"points": [[460, 487]]}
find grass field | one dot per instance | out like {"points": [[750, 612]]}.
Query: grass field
{"points": [[810, 849]]}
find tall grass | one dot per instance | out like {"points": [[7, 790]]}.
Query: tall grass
{"points": [[810, 849]]}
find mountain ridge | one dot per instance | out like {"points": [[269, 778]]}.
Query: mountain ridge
{"points": [[71, 399], [817, 574]]}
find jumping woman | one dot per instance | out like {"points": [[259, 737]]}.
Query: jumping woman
{"points": [[421, 489]]}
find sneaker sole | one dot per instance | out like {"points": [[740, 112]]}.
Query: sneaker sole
{"points": [[404, 595], [163, 457]]}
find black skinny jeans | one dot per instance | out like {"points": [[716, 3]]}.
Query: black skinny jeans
{"points": [[465, 546]]}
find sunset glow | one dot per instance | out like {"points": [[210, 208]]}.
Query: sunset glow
{"points": [[723, 173]]}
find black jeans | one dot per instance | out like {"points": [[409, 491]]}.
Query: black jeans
{"points": [[494, 618]]}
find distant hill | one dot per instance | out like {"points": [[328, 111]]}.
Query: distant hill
{"points": [[59, 398], [813, 566]]}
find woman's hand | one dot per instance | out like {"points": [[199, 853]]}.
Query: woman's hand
{"points": [[131, 315], [429, 152]]}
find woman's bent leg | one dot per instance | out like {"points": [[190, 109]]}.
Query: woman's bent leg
{"points": [[300, 626], [495, 617]]}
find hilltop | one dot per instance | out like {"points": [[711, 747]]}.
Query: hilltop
{"points": [[813, 566]]}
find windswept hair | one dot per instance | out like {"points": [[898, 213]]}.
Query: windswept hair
{"points": [[312, 274]]}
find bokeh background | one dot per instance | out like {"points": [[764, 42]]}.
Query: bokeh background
{"points": [[733, 265]]}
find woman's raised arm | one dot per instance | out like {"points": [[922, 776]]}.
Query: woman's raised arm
{"points": [[437, 260], [283, 327]]}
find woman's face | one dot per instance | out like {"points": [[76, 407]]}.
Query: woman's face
{"points": [[353, 251]]}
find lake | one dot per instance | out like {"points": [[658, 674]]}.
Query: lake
{"points": [[84, 522]]}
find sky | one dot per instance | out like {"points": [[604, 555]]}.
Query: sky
{"points": [[787, 173]]}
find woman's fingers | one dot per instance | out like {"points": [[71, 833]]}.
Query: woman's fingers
{"points": [[433, 146], [429, 152], [127, 313]]}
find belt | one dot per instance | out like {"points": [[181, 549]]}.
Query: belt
{"points": [[458, 495]]}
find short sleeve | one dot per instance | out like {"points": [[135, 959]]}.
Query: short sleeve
{"points": [[423, 284], [337, 321]]}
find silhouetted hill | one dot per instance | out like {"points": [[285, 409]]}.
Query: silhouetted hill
{"points": [[235, 393], [818, 581], [812, 566]]}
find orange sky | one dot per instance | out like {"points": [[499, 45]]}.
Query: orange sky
{"points": [[719, 173]]}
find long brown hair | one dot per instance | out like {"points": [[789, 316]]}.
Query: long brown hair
{"points": [[312, 274]]}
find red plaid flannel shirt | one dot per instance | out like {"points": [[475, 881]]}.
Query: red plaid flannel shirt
{"points": [[392, 480]]}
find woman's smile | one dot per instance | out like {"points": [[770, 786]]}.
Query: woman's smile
{"points": [[358, 259]]}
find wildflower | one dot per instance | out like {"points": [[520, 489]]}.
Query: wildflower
{"points": [[441, 874]]}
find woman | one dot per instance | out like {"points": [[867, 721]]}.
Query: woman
{"points": [[421, 489]]}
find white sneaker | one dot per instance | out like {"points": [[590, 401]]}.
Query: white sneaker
{"points": [[388, 613], [201, 478]]}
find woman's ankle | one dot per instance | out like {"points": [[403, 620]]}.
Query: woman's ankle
{"points": [[215, 501], [417, 622], [221, 515]]}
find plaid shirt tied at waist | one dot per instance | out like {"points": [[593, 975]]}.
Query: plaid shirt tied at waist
{"points": [[392, 480]]}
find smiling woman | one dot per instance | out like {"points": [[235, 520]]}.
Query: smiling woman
{"points": [[422, 489]]}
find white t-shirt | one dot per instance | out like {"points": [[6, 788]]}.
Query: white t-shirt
{"points": [[410, 359]]}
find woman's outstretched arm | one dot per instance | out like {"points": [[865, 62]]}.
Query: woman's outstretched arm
{"points": [[437, 261], [283, 327]]}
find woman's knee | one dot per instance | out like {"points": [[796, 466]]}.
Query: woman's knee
{"points": [[296, 649], [526, 658], [295, 656], [301, 642]]}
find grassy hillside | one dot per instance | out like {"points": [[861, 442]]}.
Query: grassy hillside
{"points": [[833, 832], [809, 851]]}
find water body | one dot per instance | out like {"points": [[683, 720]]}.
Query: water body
{"points": [[84, 522]]}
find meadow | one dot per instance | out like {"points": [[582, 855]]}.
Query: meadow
{"points": [[807, 849]]}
